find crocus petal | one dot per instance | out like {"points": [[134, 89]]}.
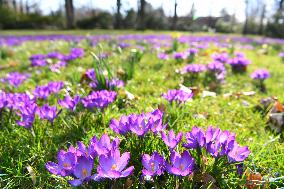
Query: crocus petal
{"points": [[53, 168], [127, 171], [76, 182]]}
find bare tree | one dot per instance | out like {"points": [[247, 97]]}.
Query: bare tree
{"points": [[118, 14], [14, 5], [141, 14], [245, 29], [69, 9], [278, 14], [21, 7], [175, 17], [261, 25]]}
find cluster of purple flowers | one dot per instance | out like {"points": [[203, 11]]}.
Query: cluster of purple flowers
{"points": [[139, 124], [42, 60], [38, 60], [15, 79], [260, 74], [180, 55], [79, 162], [177, 95], [99, 99], [26, 107], [69, 103], [48, 112], [43, 92], [184, 55], [180, 164], [218, 69], [194, 68], [217, 143], [220, 57], [239, 62], [22, 104], [192, 51]]}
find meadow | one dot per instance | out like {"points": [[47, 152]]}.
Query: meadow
{"points": [[123, 94]]}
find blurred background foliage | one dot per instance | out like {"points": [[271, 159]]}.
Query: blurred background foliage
{"points": [[259, 20]]}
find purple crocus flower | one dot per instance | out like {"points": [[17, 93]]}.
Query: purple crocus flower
{"points": [[180, 96], [38, 60], [138, 124], [88, 152], [194, 68], [179, 55], [218, 69], [153, 165], [216, 66], [237, 153], [239, 63], [281, 54], [120, 126], [55, 55], [99, 99], [15, 79], [69, 102], [103, 146], [47, 112], [123, 45], [65, 165], [171, 140], [116, 83], [91, 74], [155, 121], [27, 113], [181, 165], [74, 54], [212, 134], [112, 165], [83, 171], [41, 92], [40, 63], [220, 57], [195, 139], [37, 57], [260, 74], [55, 87], [3, 100], [192, 51], [56, 67]]}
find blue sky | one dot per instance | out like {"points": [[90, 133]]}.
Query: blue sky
{"points": [[203, 7]]}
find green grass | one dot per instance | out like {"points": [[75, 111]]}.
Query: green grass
{"points": [[19, 148]]}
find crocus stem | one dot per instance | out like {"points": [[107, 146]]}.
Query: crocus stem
{"points": [[177, 182], [103, 121], [10, 115], [199, 154], [113, 185], [1, 118]]}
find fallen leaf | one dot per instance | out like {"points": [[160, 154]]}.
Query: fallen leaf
{"points": [[32, 174]]}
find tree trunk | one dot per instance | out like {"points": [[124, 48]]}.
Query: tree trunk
{"points": [[141, 16], [245, 29], [69, 9], [279, 12], [175, 17], [14, 5], [260, 31], [118, 15]]}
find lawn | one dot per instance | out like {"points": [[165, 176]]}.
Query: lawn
{"points": [[231, 105]]}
